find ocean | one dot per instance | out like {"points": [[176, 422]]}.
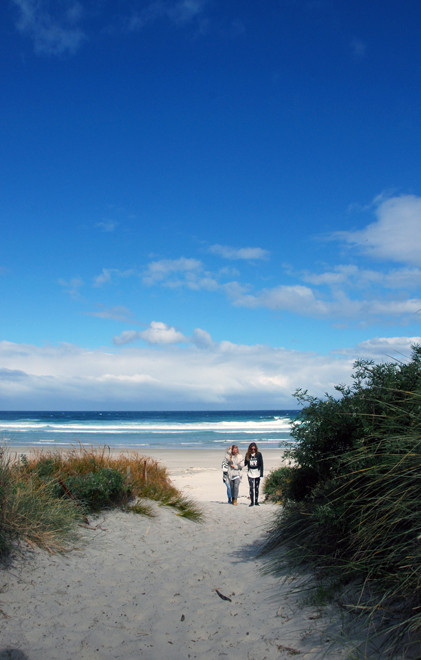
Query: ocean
{"points": [[137, 430]]}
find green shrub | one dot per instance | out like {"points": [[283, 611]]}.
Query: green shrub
{"points": [[352, 500], [97, 490], [277, 484]]}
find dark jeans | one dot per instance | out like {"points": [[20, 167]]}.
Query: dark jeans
{"points": [[254, 489]]}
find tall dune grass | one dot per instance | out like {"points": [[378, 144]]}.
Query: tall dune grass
{"points": [[352, 500], [30, 511]]}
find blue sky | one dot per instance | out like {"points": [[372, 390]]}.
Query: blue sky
{"points": [[206, 204]]}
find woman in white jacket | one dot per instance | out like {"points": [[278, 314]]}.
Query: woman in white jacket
{"points": [[235, 465]]}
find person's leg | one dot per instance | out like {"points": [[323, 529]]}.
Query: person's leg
{"points": [[234, 490], [256, 491], [227, 483], [251, 488]]}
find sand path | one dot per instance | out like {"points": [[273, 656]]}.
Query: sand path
{"points": [[145, 588]]}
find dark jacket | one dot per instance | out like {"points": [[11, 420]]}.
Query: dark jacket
{"points": [[255, 462]]}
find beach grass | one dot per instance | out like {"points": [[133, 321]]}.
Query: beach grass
{"points": [[30, 511], [45, 495], [352, 499]]}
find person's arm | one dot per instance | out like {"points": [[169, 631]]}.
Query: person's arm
{"points": [[261, 465]]}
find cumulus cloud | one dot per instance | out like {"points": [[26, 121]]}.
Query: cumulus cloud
{"points": [[246, 253], [396, 234], [297, 298], [161, 333], [227, 375], [55, 28]]}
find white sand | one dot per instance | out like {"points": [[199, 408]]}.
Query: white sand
{"points": [[146, 588]]}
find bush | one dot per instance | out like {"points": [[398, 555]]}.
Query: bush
{"points": [[352, 500], [96, 490], [277, 484]]}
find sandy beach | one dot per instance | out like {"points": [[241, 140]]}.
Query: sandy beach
{"points": [[165, 587]]}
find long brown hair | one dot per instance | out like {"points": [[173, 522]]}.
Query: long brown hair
{"points": [[249, 452]]}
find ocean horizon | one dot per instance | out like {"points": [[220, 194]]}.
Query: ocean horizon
{"points": [[147, 429]]}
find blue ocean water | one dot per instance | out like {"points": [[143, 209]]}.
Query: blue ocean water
{"points": [[137, 430]]}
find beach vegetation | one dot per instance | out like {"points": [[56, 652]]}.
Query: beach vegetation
{"points": [[277, 484], [30, 511], [351, 497], [43, 496]]}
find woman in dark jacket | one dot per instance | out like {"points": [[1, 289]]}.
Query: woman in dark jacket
{"points": [[254, 462]]}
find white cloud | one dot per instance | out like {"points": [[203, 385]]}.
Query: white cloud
{"points": [[179, 12], [404, 278], [164, 270], [53, 27], [126, 337], [61, 27], [227, 375], [107, 225], [297, 298], [383, 348], [351, 275], [396, 235], [247, 253], [185, 11], [161, 333], [108, 274], [116, 313], [338, 275], [303, 301], [72, 286], [202, 339]]}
